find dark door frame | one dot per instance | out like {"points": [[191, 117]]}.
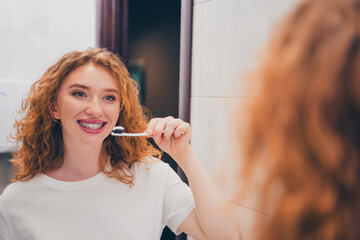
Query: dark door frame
{"points": [[112, 26], [185, 72]]}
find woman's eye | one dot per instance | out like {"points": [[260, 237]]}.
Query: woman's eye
{"points": [[109, 98], [78, 94]]}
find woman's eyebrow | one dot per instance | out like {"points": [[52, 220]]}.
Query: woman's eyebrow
{"points": [[113, 90], [76, 85]]}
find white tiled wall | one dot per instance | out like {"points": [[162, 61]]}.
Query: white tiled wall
{"points": [[227, 37], [33, 36], [213, 134]]}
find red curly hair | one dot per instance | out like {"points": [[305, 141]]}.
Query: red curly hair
{"points": [[40, 135], [304, 125]]}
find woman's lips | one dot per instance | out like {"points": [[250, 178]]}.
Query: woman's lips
{"points": [[92, 126]]}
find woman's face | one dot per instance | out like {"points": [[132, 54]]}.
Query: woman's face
{"points": [[88, 105]]}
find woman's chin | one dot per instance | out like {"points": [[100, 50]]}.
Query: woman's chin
{"points": [[93, 142]]}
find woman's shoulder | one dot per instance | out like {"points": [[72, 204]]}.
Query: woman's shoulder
{"points": [[10, 193], [151, 165], [152, 169], [12, 189], [16, 190]]}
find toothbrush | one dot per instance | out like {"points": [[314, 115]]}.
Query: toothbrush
{"points": [[118, 131]]}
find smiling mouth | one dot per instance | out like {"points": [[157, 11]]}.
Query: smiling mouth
{"points": [[89, 125]]}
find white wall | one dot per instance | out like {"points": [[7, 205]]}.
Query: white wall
{"points": [[33, 36], [227, 35]]}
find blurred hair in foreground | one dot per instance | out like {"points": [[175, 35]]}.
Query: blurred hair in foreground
{"points": [[304, 125]]}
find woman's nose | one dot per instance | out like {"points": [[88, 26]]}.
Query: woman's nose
{"points": [[94, 108]]}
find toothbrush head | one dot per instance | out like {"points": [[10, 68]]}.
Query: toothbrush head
{"points": [[118, 130]]}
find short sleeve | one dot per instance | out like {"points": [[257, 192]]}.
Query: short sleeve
{"points": [[178, 202]]}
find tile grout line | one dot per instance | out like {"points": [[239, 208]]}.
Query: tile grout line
{"points": [[252, 209], [200, 3], [222, 97]]}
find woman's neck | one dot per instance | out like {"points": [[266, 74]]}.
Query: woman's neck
{"points": [[80, 163]]}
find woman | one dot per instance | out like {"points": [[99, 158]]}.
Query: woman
{"points": [[76, 181], [303, 127]]}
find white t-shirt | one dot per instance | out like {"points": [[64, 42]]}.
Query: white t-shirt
{"points": [[44, 208]]}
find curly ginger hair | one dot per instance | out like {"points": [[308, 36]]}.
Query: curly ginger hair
{"points": [[40, 135], [304, 125]]}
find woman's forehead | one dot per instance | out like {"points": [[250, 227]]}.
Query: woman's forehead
{"points": [[91, 74]]}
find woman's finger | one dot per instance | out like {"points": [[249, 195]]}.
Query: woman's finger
{"points": [[151, 126], [160, 127], [182, 129], [170, 128]]}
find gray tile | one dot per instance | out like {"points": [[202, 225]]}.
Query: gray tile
{"points": [[6, 171]]}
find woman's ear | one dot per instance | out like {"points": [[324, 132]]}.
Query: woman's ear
{"points": [[54, 111]]}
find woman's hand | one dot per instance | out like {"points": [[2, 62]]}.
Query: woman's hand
{"points": [[172, 135]]}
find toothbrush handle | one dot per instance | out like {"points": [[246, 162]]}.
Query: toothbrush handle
{"points": [[130, 134]]}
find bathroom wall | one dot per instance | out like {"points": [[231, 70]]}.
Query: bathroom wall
{"points": [[227, 37]]}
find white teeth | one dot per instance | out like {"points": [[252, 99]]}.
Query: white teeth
{"points": [[91, 125]]}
